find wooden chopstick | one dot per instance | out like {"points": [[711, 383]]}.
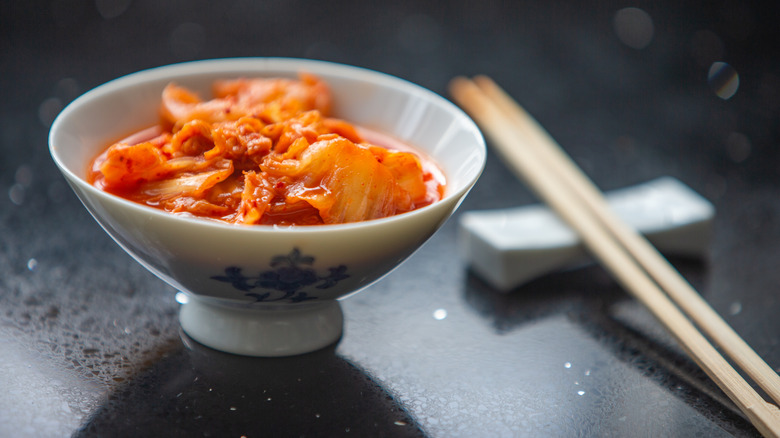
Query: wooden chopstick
{"points": [[670, 280], [535, 158]]}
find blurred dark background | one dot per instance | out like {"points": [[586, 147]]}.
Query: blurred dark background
{"points": [[633, 90], [565, 61]]}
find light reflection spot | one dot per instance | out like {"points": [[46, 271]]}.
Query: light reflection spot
{"points": [[181, 298], [32, 264], [67, 89], [24, 175], [16, 194], [48, 110], [634, 27], [580, 392], [440, 314], [723, 79], [567, 365], [735, 308]]}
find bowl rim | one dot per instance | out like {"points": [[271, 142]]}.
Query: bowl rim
{"points": [[260, 64]]}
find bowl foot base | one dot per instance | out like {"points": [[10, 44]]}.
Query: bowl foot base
{"points": [[263, 332]]}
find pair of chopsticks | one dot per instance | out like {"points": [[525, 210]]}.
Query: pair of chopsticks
{"points": [[634, 263]]}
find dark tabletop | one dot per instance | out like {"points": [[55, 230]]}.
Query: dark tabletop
{"points": [[90, 343]]}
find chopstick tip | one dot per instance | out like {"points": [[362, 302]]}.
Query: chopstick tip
{"points": [[457, 84]]}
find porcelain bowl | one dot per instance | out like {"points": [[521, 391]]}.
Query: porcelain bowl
{"points": [[267, 290]]}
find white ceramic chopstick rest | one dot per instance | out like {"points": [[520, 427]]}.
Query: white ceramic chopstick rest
{"points": [[510, 247]]}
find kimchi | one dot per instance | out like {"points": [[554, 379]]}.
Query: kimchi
{"points": [[265, 151]]}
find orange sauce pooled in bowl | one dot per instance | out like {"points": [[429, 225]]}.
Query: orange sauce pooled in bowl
{"points": [[264, 151]]}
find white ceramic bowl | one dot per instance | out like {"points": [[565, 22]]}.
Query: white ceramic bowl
{"points": [[264, 290]]}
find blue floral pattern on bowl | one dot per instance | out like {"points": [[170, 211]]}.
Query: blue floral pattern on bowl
{"points": [[289, 274]]}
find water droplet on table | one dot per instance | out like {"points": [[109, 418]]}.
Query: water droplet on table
{"points": [[440, 314]]}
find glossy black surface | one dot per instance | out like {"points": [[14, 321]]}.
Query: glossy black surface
{"points": [[89, 341]]}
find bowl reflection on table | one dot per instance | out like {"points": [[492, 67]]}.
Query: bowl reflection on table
{"points": [[266, 290]]}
